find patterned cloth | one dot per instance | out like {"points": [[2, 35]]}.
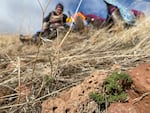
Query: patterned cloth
{"points": [[126, 14]]}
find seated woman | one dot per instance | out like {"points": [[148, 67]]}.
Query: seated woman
{"points": [[55, 20]]}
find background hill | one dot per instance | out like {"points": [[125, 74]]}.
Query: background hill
{"points": [[30, 74]]}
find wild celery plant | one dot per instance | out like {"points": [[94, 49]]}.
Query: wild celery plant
{"points": [[117, 83], [115, 87], [97, 97], [48, 80]]}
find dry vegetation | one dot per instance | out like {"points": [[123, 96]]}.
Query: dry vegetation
{"points": [[30, 74]]}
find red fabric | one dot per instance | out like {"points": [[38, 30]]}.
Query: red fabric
{"points": [[137, 13], [96, 17]]}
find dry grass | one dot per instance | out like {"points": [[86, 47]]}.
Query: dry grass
{"points": [[57, 68]]}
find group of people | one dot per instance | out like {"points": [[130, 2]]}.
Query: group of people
{"points": [[58, 20]]}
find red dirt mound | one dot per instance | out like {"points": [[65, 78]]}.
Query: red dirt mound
{"points": [[139, 101], [76, 100]]}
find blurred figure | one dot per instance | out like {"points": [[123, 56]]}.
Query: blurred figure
{"points": [[53, 21], [119, 15], [56, 19], [78, 22], [115, 9]]}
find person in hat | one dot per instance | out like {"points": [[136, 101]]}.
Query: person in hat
{"points": [[54, 20]]}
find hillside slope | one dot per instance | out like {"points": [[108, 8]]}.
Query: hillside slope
{"points": [[30, 74]]}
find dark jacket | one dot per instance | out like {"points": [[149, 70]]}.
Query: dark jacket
{"points": [[47, 18]]}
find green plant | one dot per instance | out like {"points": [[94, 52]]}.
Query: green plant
{"points": [[117, 83], [114, 86], [48, 80], [97, 97], [117, 97]]}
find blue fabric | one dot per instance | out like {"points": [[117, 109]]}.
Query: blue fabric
{"points": [[126, 13], [96, 7]]}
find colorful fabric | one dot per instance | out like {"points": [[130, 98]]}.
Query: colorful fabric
{"points": [[126, 14], [73, 17], [80, 14], [72, 20]]}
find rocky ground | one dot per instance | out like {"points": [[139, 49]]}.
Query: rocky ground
{"points": [[139, 95], [76, 99]]}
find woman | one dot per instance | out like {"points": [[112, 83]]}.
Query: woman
{"points": [[55, 20]]}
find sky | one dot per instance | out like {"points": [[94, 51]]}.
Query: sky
{"points": [[25, 16]]}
